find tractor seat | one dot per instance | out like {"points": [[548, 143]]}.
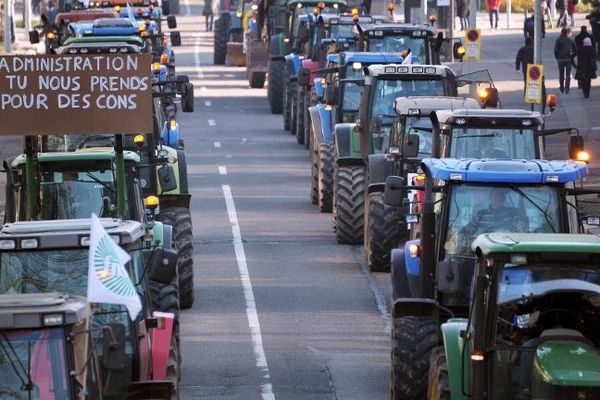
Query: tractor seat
{"points": [[562, 334]]}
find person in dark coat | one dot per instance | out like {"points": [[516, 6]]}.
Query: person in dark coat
{"points": [[525, 57], [207, 11], [561, 9], [586, 66], [529, 27], [583, 33], [594, 19], [564, 51], [462, 11]]}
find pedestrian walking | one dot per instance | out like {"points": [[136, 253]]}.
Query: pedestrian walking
{"points": [[493, 10], [462, 11], [529, 26], [561, 9], [586, 66], [583, 33], [571, 11], [548, 18], [594, 19], [524, 57], [564, 52], [207, 11]]}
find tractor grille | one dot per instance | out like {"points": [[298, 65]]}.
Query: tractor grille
{"points": [[553, 392]]}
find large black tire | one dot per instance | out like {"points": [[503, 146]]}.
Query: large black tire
{"points": [[349, 206], [174, 368], [307, 121], [275, 86], [183, 176], [382, 232], [256, 79], [438, 381], [165, 298], [220, 40], [325, 177], [413, 339], [181, 221], [293, 108], [287, 99], [314, 174], [300, 115]]}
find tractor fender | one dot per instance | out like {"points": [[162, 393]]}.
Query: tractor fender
{"points": [[293, 62], [313, 66], [400, 287], [413, 268], [321, 123], [453, 347], [347, 145], [379, 168], [415, 307], [319, 89], [161, 344], [277, 47]]}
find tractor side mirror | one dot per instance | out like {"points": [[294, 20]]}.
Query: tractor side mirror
{"points": [[303, 77], [34, 37], [576, 148], [113, 346], [395, 191], [166, 7], [171, 22], [166, 178], [410, 147], [175, 38], [448, 276], [329, 96], [163, 267], [439, 40], [187, 100]]}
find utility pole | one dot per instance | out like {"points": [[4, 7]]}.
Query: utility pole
{"points": [[7, 26], [27, 14], [424, 11], [508, 14], [537, 43], [473, 14]]}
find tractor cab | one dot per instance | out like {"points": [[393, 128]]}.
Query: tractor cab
{"points": [[532, 330], [432, 276], [421, 42], [53, 256]]}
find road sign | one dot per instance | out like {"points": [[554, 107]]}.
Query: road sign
{"points": [[533, 84], [75, 94], [473, 44]]}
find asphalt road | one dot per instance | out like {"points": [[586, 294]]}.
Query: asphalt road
{"points": [[281, 310]]}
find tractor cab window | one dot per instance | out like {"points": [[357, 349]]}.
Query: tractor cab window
{"points": [[382, 111], [34, 365], [77, 194], [416, 125], [342, 31], [396, 44], [547, 314], [351, 94], [476, 209], [492, 143]]}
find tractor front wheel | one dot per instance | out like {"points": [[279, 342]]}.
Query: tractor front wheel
{"points": [[324, 160], [300, 115], [220, 40], [256, 79], [349, 204], [438, 382], [307, 122], [413, 339], [314, 174], [287, 99], [276, 86], [382, 232], [181, 221]]}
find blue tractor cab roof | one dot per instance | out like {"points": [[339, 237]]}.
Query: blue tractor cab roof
{"points": [[398, 29], [504, 171], [105, 27], [370, 58]]}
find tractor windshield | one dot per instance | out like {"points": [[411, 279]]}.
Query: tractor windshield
{"points": [[33, 365], [420, 126], [351, 94], [476, 209], [382, 111], [342, 31], [492, 143], [395, 44]]}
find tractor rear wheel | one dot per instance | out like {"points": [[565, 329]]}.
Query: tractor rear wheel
{"points": [[287, 98], [382, 232], [293, 108], [324, 160], [165, 298], [181, 221], [220, 40], [438, 382], [307, 122], [413, 339], [349, 207], [174, 368], [256, 79], [300, 115], [275, 86], [314, 174]]}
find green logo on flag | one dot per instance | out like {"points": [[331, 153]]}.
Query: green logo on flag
{"points": [[109, 270]]}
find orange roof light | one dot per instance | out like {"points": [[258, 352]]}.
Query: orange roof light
{"points": [[432, 19], [355, 18], [156, 67], [117, 8], [51, 36], [141, 28], [391, 7], [144, 34], [482, 94], [315, 11], [164, 59], [551, 100], [321, 5], [355, 11], [139, 140], [151, 201], [583, 156]]}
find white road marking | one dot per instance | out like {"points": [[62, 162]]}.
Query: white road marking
{"points": [[207, 103], [251, 312], [244, 140], [595, 128], [222, 170], [203, 88], [197, 53], [228, 156], [188, 11], [211, 122], [217, 145]]}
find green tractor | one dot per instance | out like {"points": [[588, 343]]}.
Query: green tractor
{"points": [[532, 327], [53, 256]]}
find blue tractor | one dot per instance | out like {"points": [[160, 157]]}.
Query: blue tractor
{"points": [[432, 275], [229, 28], [339, 91]]}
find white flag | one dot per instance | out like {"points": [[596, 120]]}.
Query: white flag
{"points": [[108, 280]]}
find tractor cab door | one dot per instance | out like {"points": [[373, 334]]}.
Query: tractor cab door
{"points": [[479, 85]]}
